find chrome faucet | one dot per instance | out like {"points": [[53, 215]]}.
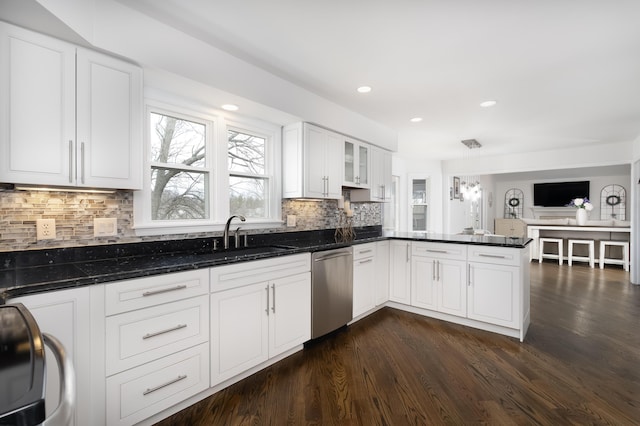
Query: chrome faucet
{"points": [[225, 236]]}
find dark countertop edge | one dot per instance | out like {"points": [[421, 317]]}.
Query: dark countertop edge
{"points": [[179, 265]]}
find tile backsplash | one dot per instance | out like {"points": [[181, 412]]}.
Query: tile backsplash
{"points": [[74, 213]]}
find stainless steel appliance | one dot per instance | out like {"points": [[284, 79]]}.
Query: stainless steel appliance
{"points": [[331, 290], [22, 371]]}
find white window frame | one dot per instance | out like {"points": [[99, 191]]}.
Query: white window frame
{"points": [[216, 160], [273, 166]]}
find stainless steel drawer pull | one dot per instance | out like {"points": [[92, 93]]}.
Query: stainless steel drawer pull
{"points": [[437, 251], [364, 251], [157, 333], [496, 256], [366, 261], [164, 290], [164, 385]]}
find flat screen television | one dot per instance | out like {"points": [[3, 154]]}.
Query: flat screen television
{"points": [[557, 194]]}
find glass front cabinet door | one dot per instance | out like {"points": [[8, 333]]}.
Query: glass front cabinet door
{"points": [[418, 211], [356, 164]]}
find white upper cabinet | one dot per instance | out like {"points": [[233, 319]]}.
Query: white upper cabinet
{"points": [[312, 162], [68, 116], [380, 178], [356, 164]]}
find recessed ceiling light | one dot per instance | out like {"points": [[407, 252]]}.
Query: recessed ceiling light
{"points": [[230, 107], [487, 104], [364, 89], [416, 119]]}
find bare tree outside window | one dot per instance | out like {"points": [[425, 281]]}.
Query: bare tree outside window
{"points": [[179, 179], [248, 183]]}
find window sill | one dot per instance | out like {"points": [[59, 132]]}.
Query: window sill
{"points": [[154, 229]]}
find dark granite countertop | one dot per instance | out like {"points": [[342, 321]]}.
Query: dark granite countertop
{"points": [[37, 271]]}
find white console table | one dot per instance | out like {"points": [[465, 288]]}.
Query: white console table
{"points": [[533, 231]]}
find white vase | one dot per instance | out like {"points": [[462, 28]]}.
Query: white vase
{"points": [[581, 217]]}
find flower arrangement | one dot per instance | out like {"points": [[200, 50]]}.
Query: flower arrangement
{"points": [[581, 203]]}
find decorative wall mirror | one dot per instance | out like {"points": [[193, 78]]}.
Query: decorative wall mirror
{"points": [[613, 201], [513, 203]]}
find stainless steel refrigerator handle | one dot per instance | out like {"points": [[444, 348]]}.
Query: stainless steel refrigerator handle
{"points": [[63, 414]]}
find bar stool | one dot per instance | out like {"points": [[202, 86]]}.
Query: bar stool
{"points": [[591, 258], [542, 254], [625, 254]]}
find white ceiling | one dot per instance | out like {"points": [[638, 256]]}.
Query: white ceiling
{"points": [[565, 73]]}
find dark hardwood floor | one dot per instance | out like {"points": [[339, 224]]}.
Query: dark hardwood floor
{"points": [[579, 364]]}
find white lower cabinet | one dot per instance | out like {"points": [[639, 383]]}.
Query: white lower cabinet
{"points": [[439, 278], [400, 271], [65, 315], [156, 343], [382, 272], [364, 278], [258, 312]]}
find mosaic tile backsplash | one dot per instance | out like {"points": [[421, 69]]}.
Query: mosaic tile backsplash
{"points": [[74, 213]]}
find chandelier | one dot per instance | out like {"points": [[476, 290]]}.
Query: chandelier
{"points": [[470, 185]]}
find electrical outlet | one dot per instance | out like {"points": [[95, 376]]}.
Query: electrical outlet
{"points": [[105, 227], [45, 229], [291, 220]]}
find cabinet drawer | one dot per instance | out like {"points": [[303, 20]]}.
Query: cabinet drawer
{"points": [[246, 273], [440, 250], [136, 394], [124, 296], [360, 251], [495, 255], [134, 338]]}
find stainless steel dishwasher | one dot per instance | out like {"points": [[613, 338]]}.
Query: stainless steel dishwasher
{"points": [[331, 290]]}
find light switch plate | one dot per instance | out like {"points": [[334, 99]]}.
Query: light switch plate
{"points": [[105, 227], [291, 220]]}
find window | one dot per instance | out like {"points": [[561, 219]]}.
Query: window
{"points": [[179, 174], [200, 169], [249, 183]]}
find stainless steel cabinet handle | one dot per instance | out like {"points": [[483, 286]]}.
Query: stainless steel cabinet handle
{"points": [[365, 251], [495, 256], [469, 275], [82, 162], [438, 268], [164, 385], [436, 251], [366, 261], [267, 310], [408, 258], [164, 290], [168, 330], [273, 303], [70, 161], [433, 272]]}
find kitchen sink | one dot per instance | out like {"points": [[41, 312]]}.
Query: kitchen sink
{"points": [[251, 251]]}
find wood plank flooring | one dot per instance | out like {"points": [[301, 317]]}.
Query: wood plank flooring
{"points": [[579, 364]]}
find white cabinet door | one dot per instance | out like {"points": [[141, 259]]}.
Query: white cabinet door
{"points": [[494, 294], [400, 272], [65, 315], [239, 330], [290, 313], [356, 164], [364, 289], [382, 272], [312, 159], [68, 116], [424, 282], [109, 122], [452, 287], [37, 108]]}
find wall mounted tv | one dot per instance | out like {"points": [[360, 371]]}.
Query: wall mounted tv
{"points": [[557, 194]]}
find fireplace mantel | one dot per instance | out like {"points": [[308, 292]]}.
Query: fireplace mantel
{"points": [[553, 212]]}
